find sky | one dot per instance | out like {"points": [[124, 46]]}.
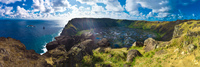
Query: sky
{"points": [[152, 10]]}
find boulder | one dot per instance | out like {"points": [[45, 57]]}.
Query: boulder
{"points": [[77, 52], [177, 31], [52, 45], [103, 43], [132, 54], [191, 47], [138, 44], [127, 65], [150, 44]]}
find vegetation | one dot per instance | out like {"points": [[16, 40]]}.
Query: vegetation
{"points": [[174, 54]]}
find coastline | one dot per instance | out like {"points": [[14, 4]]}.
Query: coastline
{"points": [[44, 47]]}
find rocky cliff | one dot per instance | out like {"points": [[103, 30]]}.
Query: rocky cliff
{"points": [[178, 45]]}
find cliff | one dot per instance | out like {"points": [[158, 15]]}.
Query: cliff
{"points": [[177, 45], [14, 53]]}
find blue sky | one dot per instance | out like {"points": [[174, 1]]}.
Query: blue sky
{"points": [[119, 9]]}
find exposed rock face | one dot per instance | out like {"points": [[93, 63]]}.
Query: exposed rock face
{"points": [[138, 44], [52, 45], [177, 31], [132, 54], [150, 44], [77, 52], [14, 53], [68, 41], [103, 43], [70, 50]]}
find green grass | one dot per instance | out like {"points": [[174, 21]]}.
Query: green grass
{"points": [[83, 31]]}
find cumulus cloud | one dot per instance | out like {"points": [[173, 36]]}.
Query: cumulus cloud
{"points": [[111, 5], [132, 7], [8, 10], [60, 5], [158, 6], [22, 13], [9, 1], [2, 11]]}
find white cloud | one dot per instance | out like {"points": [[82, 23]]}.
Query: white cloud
{"points": [[2, 11], [111, 5], [158, 7], [60, 3], [23, 4], [38, 5], [9, 1], [98, 8], [132, 7], [22, 13], [8, 10]]}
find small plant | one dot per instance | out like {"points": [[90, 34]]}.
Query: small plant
{"points": [[197, 58]]}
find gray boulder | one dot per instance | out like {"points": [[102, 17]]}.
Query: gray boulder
{"points": [[150, 44], [191, 47], [132, 54], [103, 43], [138, 44]]}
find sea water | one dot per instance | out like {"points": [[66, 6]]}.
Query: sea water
{"points": [[34, 34]]}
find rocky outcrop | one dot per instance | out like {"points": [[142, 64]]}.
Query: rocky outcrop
{"points": [[191, 47], [68, 41], [177, 31], [77, 52], [150, 44], [103, 43], [132, 54], [137, 44], [14, 53], [78, 24]]}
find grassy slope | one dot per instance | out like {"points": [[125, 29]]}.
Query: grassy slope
{"points": [[175, 54]]}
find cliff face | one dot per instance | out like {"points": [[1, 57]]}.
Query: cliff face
{"points": [[14, 53], [163, 29], [79, 24], [179, 40]]}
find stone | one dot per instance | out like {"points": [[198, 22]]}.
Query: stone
{"points": [[52, 45], [132, 54], [103, 43], [126, 65], [77, 52], [138, 44], [150, 44], [191, 47]]}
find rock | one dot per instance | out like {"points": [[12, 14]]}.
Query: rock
{"points": [[2, 39], [6, 58], [77, 52], [138, 44], [14, 53], [52, 45], [103, 43], [185, 43], [132, 54], [177, 31], [68, 41], [191, 47], [126, 65], [150, 44], [107, 65]]}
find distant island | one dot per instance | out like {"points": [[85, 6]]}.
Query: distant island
{"points": [[30, 26], [87, 42]]}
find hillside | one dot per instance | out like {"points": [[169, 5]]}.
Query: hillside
{"points": [[176, 45]]}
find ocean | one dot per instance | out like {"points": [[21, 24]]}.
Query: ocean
{"points": [[34, 34]]}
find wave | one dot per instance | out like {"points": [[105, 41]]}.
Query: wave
{"points": [[44, 47]]}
